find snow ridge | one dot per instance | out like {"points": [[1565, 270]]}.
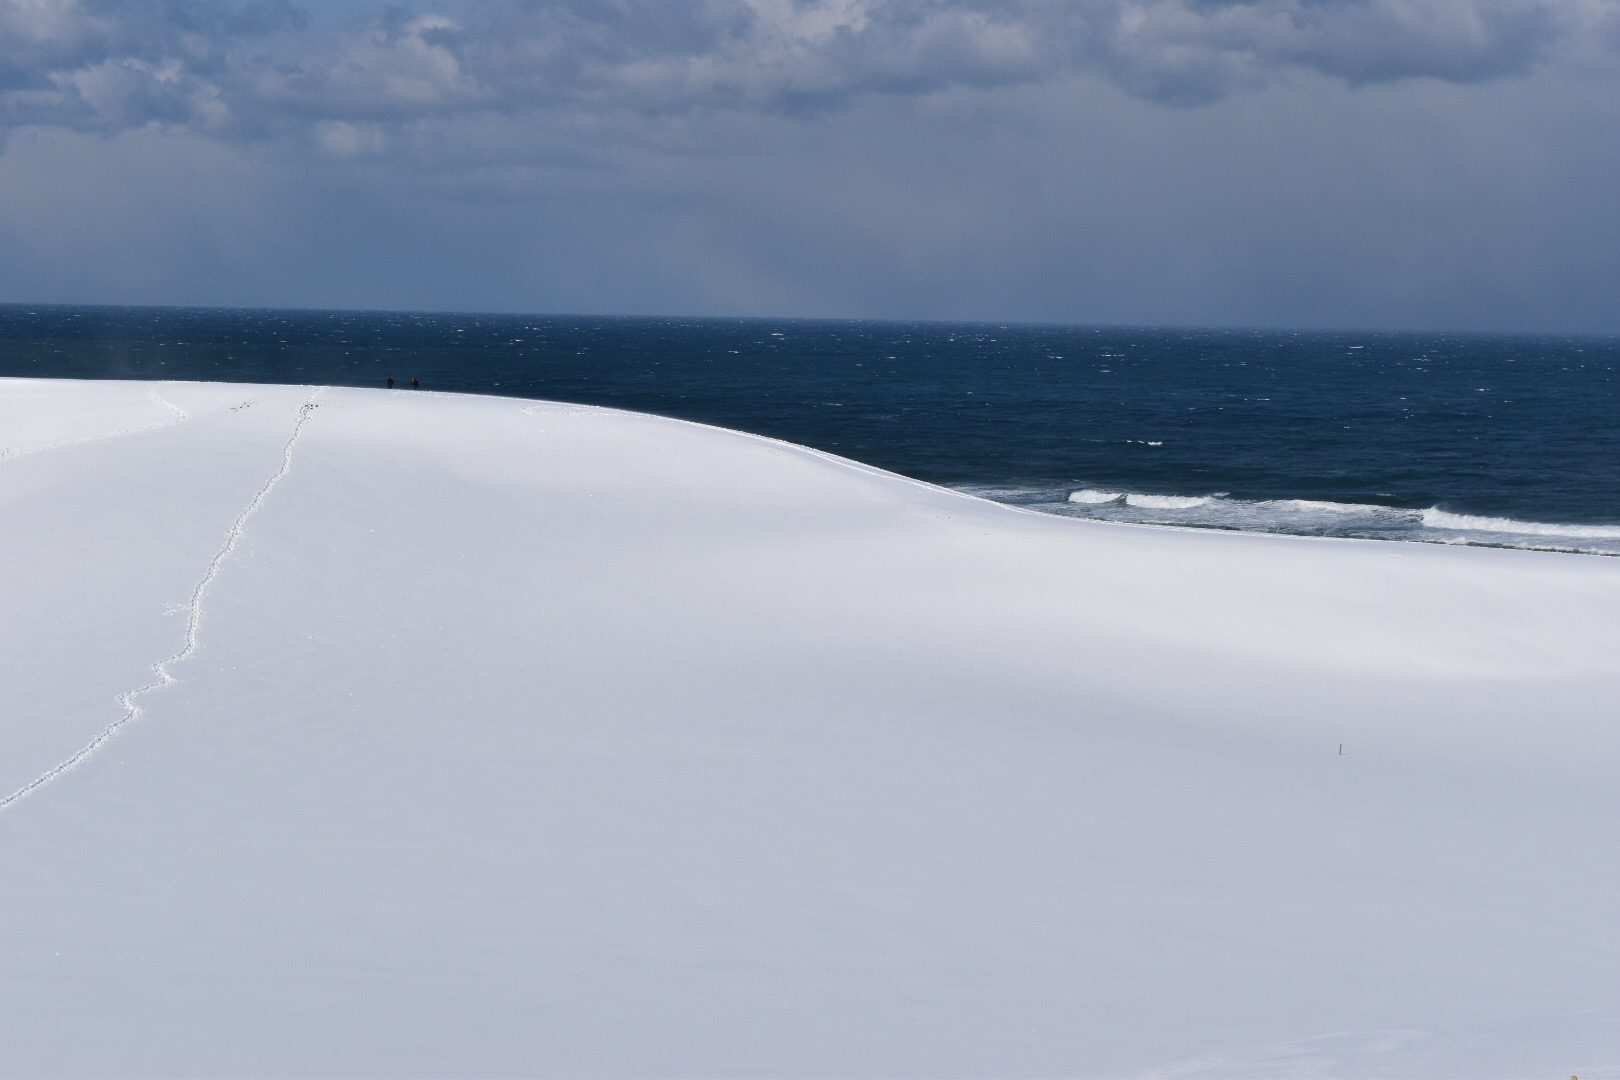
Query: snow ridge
{"points": [[179, 416], [129, 699]]}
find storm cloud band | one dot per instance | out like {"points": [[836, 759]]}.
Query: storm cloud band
{"points": [[269, 68]]}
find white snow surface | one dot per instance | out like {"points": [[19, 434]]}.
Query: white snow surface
{"points": [[369, 733]]}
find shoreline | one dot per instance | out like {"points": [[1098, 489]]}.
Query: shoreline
{"points": [[1053, 499], [423, 733], [968, 489]]}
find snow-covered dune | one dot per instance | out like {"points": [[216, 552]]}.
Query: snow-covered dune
{"points": [[369, 733]]}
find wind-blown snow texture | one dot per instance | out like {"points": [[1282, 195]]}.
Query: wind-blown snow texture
{"points": [[507, 738]]}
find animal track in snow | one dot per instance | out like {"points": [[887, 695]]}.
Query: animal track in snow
{"points": [[130, 699], [179, 416]]}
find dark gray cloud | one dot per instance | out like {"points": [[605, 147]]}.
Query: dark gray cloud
{"points": [[266, 68], [1442, 163], [1196, 51], [110, 64]]}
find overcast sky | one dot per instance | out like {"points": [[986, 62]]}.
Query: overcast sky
{"points": [[1336, 163]]}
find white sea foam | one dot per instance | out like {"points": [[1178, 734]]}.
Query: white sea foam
{"points": [[1312, 517], [1435, 518], [1100, 497], [1322, 507], [1166, 502], [1093, 497]]}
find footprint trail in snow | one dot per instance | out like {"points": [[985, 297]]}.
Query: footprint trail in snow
{"points": [[130, 699]]}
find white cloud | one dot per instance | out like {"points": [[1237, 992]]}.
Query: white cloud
{"points": [[341, 139]]}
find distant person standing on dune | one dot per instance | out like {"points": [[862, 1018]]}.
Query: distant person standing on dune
{"points": [[390, 382], [414, 384]]}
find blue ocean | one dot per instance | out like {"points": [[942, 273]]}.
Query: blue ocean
{"points": [[1447, 438]]}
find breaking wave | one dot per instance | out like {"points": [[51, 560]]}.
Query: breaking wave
{"points": [[1310, 517], [1435, 518], [1093, 497]]}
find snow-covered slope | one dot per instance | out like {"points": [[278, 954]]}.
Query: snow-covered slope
{"points": [[464, 736]]}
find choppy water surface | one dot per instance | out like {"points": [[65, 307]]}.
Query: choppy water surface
{"points": [[1506, 440]]}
